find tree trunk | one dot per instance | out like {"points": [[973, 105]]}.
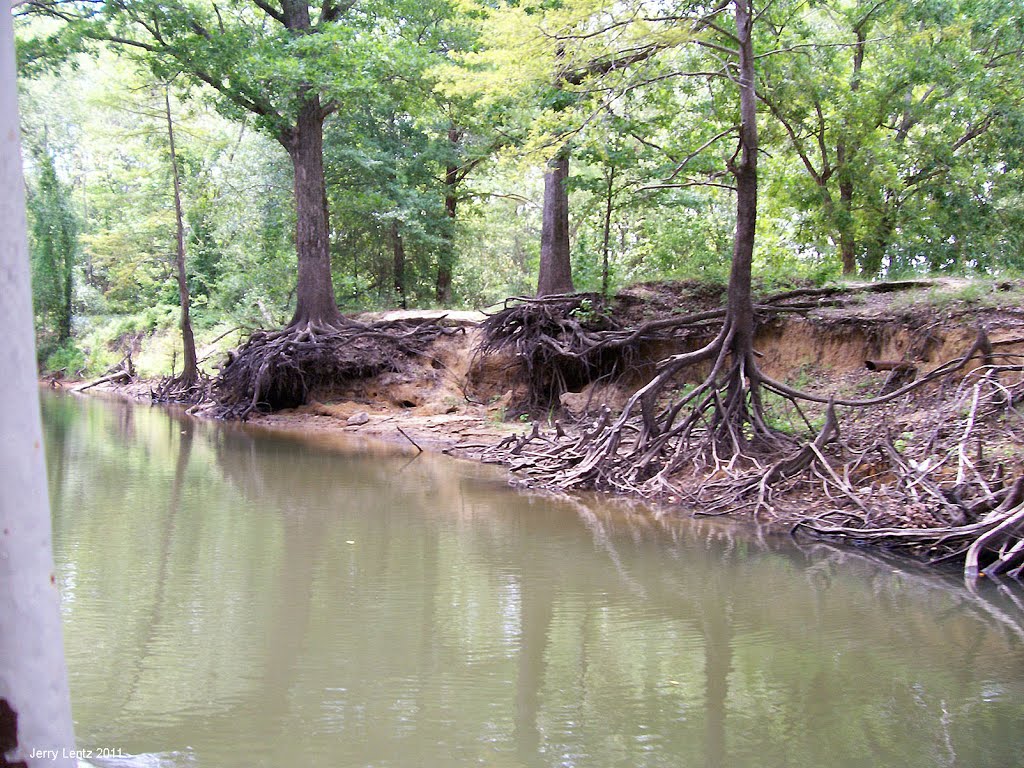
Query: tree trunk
{"points": [[35, 707], [847, 240], [67, 293], [607, 231], [741, 309], [190, 371], [398, 272], [446, 261], [878, 240], [844, 155], [315, 290], [555, 267], [847, 243]]}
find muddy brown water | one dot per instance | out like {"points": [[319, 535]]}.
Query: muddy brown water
{"points": [[234, 597]]}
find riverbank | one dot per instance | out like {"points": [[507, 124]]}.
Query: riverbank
{"points": [[923, 467], [854, 345]]}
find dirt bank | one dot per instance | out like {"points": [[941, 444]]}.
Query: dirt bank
{"points": [[456, 401], [936, 461], [453, 400]]}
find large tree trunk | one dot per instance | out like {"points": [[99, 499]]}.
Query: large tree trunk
{"points": [[315, 291], [190, 371], [555, 267], [741, 309], [35, 708]]}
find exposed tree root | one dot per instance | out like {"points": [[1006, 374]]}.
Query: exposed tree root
{"points": [[715, 446], [567, 341], [719, 425], [941, 498], [561, 342], [278, 369], [182, 389]]}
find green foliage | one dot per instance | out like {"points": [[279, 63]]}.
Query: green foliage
{"points": [[912, 154], [589, 313], [53, 245], [905, 145], [67, 358]]}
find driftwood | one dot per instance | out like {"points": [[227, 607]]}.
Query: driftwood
{"points": [[121, 373]]}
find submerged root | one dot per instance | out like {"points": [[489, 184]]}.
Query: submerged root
{"points": [[279, 369]]}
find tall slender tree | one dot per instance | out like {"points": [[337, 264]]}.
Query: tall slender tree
{"points": [[190, 367]]}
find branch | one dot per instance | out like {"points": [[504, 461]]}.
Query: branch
{"points": [[331, 11], [975, 132], [731, 52], [819, 178], [685, 185], [270, 10], [652, 145], [801, 46], [611, 64], [701, 148]]}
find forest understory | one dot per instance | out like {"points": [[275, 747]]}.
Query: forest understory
{"points": [[887, 414]]}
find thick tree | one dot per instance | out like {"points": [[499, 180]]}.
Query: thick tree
{"points": [[555, 274], [35, 708]]}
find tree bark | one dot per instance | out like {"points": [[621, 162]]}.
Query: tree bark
{"points": [[398, 272], [555, 266], [607, 230], [315, 289], [67, 293], [446, 261], [190, 370], [740, 308], [35, 707]]}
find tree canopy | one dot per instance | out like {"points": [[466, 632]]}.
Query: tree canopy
{"points": [[412, 138]]}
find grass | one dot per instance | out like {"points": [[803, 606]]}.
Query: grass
{"points": [[101, 341]]}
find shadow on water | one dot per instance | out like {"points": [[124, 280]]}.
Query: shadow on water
{"points": [[236, 597]]}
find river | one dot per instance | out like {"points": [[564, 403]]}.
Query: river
{"points": [[235, 597]]}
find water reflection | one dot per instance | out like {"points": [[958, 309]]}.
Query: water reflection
{"points": [[239, 598]]}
